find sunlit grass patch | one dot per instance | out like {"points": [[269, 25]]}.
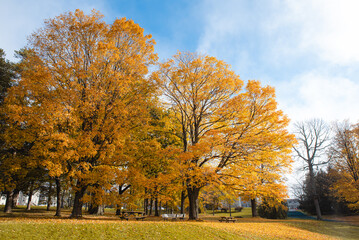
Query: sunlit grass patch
{"points": [[72, 229], [335, 229], [113, 229], [268, 230], [41, 224]]}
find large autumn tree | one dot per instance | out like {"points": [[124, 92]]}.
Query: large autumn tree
{"points": [[345, 152], [221, 126], [83, 85]]}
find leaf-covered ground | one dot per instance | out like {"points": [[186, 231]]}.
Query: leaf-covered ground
{"points": [[40, 224], [24, 228]]}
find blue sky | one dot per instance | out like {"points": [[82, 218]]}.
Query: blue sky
{"points": [[308, 50]]}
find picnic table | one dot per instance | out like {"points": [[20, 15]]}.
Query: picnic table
{"points": [[132, 214], [227, 219]]}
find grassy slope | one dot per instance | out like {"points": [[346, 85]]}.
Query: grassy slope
{"points": [[40, 224], [119, 230]]}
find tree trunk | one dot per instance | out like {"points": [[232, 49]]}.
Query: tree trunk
{"points": [[96, 210], [183, 198], [314, 190], [145, 206], [193, 193], [15, 197], [151, 204], [214, 204], [254, 207], [49, 197], [63, 199], [156, 208], [78, 203], [58, 197], [8, 204], [28, 207], [160, 207], [230, 210], [120, 192]]}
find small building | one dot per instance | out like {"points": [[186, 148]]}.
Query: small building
{"points": [[293, 204]]}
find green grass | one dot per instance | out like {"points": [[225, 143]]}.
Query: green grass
{"points": [[334, 229], [121, 230], [41, 224]]}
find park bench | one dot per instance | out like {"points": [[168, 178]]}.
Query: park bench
{"points": [[181, 216], [227, 219], [165, 217], [125, 215], [173, 216]]}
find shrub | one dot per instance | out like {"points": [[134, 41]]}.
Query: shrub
{"points": [[272, 211], [238, 209], [224, 209]]}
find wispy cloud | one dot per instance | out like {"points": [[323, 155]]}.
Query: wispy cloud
{"points": [[307, 49], [314, 94]]}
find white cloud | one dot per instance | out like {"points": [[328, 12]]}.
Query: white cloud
{"points": [[327, 27], [306, 48], [317, 95]]}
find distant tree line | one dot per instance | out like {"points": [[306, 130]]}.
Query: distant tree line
{"points": [[331, 155]]}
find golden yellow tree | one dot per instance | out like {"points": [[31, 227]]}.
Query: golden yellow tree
{"points": [[196, 87], [86, 90], [258, 142], [221, 126], [345, 152]]}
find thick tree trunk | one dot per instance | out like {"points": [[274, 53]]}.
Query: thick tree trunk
{"points": [[8, 204], [58, 197], [28, 207], [63, 199], [145, 206], [15, 197], [49, 197], [214, 204], [96, 210], [193, 193], [118, 211], [160, 208], [183, 198], [120, 192], [314, 190], [151, 204], [254, 207], [78, 203], [230, 210], [156, 208]]}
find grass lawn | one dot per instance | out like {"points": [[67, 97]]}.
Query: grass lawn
{"points": [[40, 224]]}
